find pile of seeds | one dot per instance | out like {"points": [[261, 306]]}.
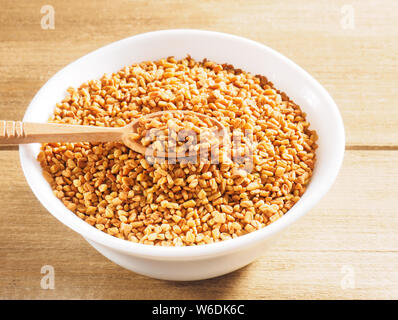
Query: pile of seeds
{"points": [[176, 133], [117, 191]]}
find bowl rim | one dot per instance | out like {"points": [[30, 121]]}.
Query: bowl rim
{"points": [[206, 250]]}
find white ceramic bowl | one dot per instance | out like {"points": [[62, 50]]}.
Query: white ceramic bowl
{"points": [[206, 261]]}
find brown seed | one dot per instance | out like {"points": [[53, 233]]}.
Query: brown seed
{"points": [[189, 204]]}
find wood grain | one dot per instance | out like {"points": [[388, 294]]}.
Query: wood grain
{"points": [[351, 231]]}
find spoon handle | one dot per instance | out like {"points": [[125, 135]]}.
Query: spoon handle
{"points": [[17, 132]]}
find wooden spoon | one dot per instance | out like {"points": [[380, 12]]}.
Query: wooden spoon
{"points": [[17, 132]]}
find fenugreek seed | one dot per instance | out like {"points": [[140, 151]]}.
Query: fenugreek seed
{"points": [[176, 218], [246, 204], [137, 224], [164, 204], [102, 187], [227, 209], [100, 226], [190, 237], [279, 171], [225, 236], [207, 175], [249, 228], [252, 186], [193, 184], [91, 210], [238, 173], [109, 213], [134, 136], [236, 226], [189, 204], [205, 217], [125, 228], [144, 164], [215, 233], [152, 236], [248, 217], [202, 194], [219, 217], [177, 229], [71, 164], [191, 178], [191, 223], [133, 238], [116, 201], [113, 231], [173, 205]]}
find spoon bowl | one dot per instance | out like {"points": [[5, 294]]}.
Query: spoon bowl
{"points": [[222, 133]]}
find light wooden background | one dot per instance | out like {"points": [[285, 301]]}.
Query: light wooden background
{"points": [[352, 232]]}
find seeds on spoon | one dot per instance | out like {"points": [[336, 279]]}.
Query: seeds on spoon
{"points": [[176, 134]]}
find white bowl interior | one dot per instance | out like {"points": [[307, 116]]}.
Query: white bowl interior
{"points": [[242, 53]]}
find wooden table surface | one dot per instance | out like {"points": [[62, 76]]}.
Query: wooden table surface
{"points": [[346, 247]]}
